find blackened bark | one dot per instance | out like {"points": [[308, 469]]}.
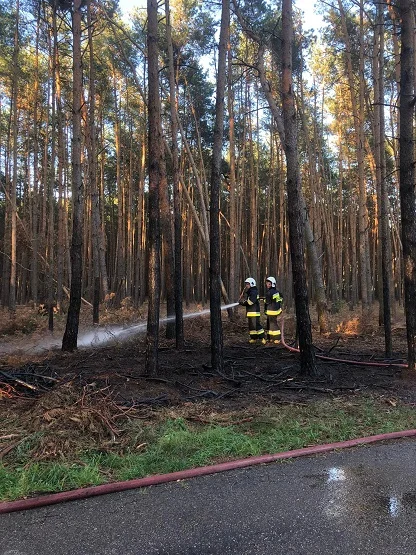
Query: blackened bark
{"points": [[155, 169], [166, 226], [294, 200], [69, 342], [217, 359], [407, 173]]}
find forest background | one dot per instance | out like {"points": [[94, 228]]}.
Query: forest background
{"points": [[154, 162], [347, 89]]}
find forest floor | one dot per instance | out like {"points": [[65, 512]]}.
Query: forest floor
{"points": [[74, 395]]}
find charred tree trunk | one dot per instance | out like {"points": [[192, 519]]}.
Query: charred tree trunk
{"points": [[155, 169], [217, 359], [69, 342], [382, 193], [295, 205], [407, 173]]}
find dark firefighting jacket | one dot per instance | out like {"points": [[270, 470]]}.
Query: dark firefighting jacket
{"points": [[251, 302], [273, 302]]}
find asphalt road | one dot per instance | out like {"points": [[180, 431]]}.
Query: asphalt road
{"points": [[356, 501]]}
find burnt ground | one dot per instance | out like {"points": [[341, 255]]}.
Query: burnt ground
{"points": [[251, 373], [62, 403]]}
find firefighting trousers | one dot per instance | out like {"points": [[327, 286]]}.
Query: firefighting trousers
{"points": [[272, 328], [255, 328]]}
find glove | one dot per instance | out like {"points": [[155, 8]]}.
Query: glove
{"points": [[241, 303]]}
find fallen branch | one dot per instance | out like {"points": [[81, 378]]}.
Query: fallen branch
{"points": [[9, 436], [38, 376], [6, 450], [19, 381], [67, 293], [221, 422]]}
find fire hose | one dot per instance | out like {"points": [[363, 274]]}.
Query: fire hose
{"points": [[335, 359]]}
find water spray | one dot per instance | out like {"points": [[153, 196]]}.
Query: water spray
{"points": [[101, 336]]}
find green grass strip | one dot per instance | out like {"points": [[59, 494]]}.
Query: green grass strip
{"points": [[178, 445]]}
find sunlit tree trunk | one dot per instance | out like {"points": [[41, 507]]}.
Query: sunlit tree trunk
{"points": [[100, 279], [120, 254], [384, 250], [178, 287], [358, 113], [13, 184], [234, 229], [53, 49], [62, 204], [34, 196]]}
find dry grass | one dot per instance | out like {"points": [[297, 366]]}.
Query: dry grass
{"points": [[66, 420]]}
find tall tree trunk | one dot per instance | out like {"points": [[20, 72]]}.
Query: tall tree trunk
{"points": [[382, 193], [407, 173], [92, 174], [358, 113], [234, 229], [34, 197], [13, 184], [62, 207], [168, 258], [120, 258], [51, 179], [69, 341], [155, 176], [217, 359], [312, 251], [252, 196], [179, 333], [276, 112], [295, 206]]}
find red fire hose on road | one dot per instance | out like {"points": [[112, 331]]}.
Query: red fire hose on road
{"points": [[83, 493]]}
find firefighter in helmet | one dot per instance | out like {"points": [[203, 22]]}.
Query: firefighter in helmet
{"points": [[252, 304], [272, 309]]}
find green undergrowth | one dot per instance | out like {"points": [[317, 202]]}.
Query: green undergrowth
{"points": [[180, 443]]}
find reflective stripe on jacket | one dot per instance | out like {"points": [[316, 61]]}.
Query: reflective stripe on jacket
{"points": [[273, 302]]}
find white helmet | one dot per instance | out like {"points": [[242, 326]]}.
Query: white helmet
{"points": [[251, 282], [272, 281]]}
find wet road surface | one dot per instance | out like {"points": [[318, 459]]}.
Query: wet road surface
{"points": [[356, 501]]}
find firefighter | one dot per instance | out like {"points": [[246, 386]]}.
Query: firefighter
{"points": [[252, 304], [272, 309]]}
